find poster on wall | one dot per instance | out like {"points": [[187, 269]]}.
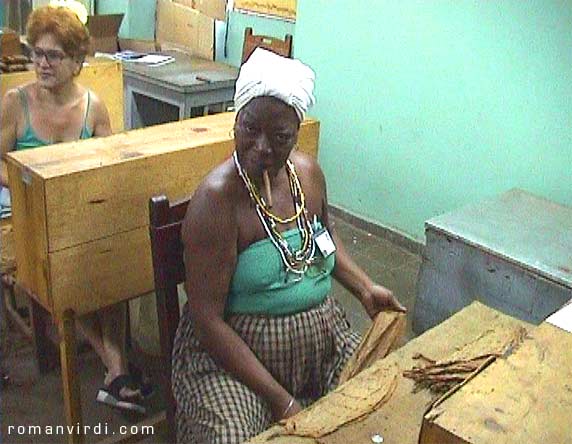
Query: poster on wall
{"points": [[279, 8]]}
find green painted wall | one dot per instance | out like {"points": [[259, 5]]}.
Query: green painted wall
{"points": [[139, 20], [238, 22], [428, 105]]}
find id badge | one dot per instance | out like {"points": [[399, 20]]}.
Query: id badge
{"points": [[324, 242]]}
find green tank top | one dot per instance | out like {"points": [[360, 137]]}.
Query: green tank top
{"points": [[261, 285], [30, 140]]}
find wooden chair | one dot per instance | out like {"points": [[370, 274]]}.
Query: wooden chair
{"points": [[165, 220], [251, 42]]}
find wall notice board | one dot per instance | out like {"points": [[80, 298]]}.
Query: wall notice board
{"points": [[280, 8]]}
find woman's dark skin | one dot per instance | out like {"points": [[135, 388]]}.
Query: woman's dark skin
{"points": [[221, 222]]}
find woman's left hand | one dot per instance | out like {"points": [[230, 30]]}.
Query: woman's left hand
{"points": [[379, 298]]}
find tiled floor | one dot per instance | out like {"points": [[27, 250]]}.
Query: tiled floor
{"points": [[33, 400]]}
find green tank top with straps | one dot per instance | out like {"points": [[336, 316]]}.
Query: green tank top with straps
{"points": [[261, 285], [31, 140]]}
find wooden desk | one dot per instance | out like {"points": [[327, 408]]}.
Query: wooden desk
{"points": [[523, 398], [471, 332], [187, 83]]}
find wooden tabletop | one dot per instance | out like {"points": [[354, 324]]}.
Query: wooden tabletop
{"points": [[187, 73], [474, 331]]}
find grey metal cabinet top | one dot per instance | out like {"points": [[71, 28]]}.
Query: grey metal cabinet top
{"points": [[531, 231]]}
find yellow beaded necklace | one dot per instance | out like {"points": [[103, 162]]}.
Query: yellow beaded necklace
{"points": [[294, 261]]}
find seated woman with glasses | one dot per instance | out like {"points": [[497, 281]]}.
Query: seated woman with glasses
{"points": [[261, 336], [52, 109]]}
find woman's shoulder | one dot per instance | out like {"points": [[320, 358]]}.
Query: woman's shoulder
{"points": [[13, 101], [214, 199], [11, 98], [98, 113], [305, 163], [219, 185], [14, 95]]}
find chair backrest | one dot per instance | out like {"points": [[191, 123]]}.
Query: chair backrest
{"points": [[251, 42], [165, 221]]}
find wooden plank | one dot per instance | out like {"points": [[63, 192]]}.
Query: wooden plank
{"points": [[475, 329], [99, 187], [102, 272], [30, 232], [103, 77], [525, 397]]}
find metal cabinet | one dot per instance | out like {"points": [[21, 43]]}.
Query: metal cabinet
{"points": [[512, 252]]}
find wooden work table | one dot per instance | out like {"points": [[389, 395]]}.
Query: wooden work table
{"points": [[526, 397], [473, 331], [80, 216]]}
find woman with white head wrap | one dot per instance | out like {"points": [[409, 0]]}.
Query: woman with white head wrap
{"points": [[260, 336]]}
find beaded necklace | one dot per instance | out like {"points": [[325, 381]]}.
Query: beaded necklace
{"points": [[295, 261]]}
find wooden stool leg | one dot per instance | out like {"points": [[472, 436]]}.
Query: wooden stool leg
{"points": [[70, 377], [44, 349]]}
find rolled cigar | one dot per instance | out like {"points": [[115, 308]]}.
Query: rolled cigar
{"points": [[267, 188]]}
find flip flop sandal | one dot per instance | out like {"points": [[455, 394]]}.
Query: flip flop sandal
{"points": [[147, 389], [111, 396]]}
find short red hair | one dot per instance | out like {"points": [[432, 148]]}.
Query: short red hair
{"points": [[64, 25]]}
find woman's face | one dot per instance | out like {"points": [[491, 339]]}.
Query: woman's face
{"points": [[266, 130], [52, 65]]}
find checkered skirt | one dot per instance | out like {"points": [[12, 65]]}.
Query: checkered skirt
{"points": [[305, 352]]}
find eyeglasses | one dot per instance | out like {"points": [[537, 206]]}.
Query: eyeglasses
{"points": [[53, 56]]}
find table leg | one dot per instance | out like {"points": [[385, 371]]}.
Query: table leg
{"points": [[70, 377], [185, 111], [44, 349]]}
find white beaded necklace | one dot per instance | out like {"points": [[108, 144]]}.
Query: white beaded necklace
{"points": [[295, 261]]}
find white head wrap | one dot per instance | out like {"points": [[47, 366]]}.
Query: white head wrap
{"points": [[268, 74]]}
